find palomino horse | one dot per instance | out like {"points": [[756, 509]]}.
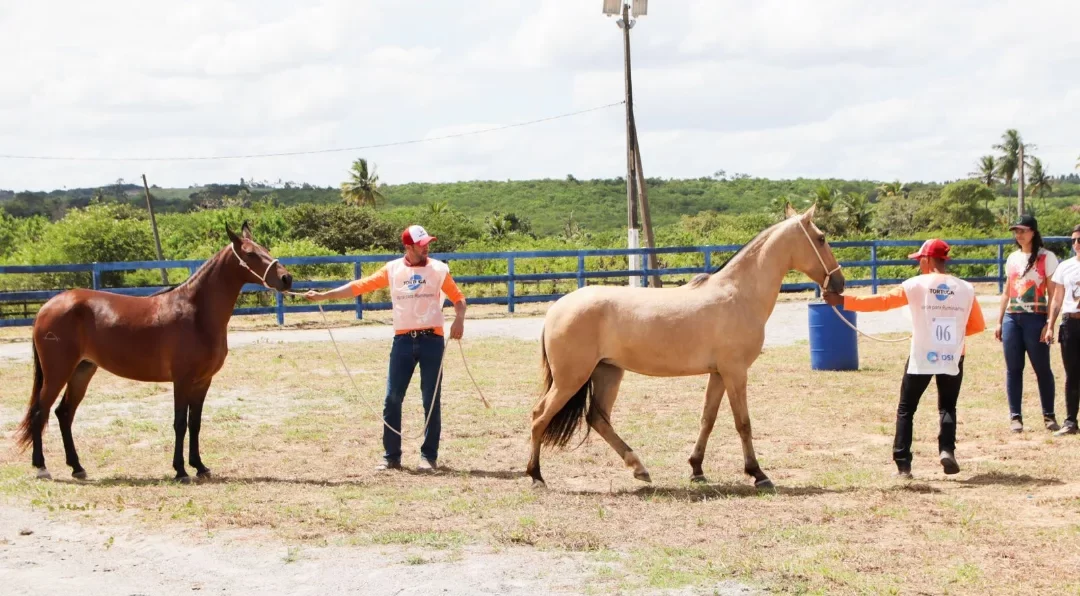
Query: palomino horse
{"points": [[177, 335], [714, 325]]}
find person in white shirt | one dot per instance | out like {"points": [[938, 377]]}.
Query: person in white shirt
{"points": [[1066, 296], [417, 284], [1022, 319], [944, 312]]}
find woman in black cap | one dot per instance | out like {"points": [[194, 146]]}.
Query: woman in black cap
{"points": [[1022, 320]]}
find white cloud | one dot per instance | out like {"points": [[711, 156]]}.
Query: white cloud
{"points": [[779, 88]]}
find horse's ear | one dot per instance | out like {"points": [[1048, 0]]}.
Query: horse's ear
{"points": [[232, 235], [789, 211], [809, 215], [245, 229]]}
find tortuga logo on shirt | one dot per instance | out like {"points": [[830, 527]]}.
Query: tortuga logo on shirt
{"points": [[413, 282], [942, 292]]}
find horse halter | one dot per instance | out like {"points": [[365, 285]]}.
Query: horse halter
{"points": [[824, 267], [262, 278]]}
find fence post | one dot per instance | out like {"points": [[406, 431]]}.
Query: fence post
{"points": [[873, 267], [708, 258], [1001, 266], [644, 266], [510, 284], [96, 277], [357, 271], [280, 308], [581, 270]]}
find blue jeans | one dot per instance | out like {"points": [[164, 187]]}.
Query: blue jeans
{"points": [[406, 353], [1020, 336]]}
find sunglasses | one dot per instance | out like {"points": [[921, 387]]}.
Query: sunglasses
{"points": [[1076, 239]]}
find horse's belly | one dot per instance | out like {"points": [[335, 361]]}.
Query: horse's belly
{"points": [[671, 364]]}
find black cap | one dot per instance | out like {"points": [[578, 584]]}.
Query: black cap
{"points": [[1027, 221]]}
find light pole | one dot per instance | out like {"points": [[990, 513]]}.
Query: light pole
{"points": [[636, 194]]}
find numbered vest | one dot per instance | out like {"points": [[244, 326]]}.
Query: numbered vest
{"points": [[416, 294], [940, 306]]}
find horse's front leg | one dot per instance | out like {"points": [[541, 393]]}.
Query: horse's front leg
{"points": [[180, 414], [736, 389], [713, 396], [194, 424]]}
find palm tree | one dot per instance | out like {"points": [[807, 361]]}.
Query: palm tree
{"points": [[438, 207], [892, 189], [1009, 162], [987, 171], [824, 197], [1038, 182], [362, 187], [857, 211]]}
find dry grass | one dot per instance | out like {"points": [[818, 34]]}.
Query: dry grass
{"points": [[293, 450]]}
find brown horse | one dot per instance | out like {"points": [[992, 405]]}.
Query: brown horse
{"points": [[177, 335], [714, 325]]}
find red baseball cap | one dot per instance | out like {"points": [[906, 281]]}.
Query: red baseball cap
{"points": [[938, 249], [416, 235]]}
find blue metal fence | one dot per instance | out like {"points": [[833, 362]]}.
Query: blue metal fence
{"points": [[511, 298]]}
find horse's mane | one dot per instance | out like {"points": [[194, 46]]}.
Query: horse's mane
{"points": [[191, 279], [701, 278]]}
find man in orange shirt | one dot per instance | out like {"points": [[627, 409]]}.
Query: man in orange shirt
{"points": [[941, 305], [416, 284]]}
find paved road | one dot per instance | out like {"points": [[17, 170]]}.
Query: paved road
{"points": [[788, 324]]}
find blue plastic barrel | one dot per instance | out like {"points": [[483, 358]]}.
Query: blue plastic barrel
{"points": [[833, 345]]}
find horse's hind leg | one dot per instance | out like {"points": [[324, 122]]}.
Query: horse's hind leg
{"points": [[56, 370], [714, 394], [543, 413], [65, 412], [606, 380], [736, 386]]}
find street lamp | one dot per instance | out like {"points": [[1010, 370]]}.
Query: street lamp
{"points": [[635, 181]]}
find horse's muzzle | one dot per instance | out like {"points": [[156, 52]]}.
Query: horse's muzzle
{"points": [[836, 283], [286, 282]]}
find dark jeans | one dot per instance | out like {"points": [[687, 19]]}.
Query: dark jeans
{"points": [[1020, 333], [911, 390], [1069, 337], [406, 353]]}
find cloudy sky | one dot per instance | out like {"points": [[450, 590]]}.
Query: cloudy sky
{"points": [[913, 90]]}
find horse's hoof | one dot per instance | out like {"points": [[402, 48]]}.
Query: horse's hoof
{"points": [[80, 475], [764, 484], [643, 476], [185, 479], [538, 484], [699, 479], [43, 474], [204, 475]]}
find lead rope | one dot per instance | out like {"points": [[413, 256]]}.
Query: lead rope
{"points": [[366, 403], [828, 274]]}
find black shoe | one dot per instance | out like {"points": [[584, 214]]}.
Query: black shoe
{"points": [[948, 463], [1069, 429], [1051, 423], [388, 465]]}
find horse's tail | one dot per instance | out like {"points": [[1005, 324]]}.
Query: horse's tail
{"points": [[566, 421], [24, 435]]}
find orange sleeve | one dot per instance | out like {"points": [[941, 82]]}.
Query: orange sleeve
{"points": [[894, 299], [450, 288], [375, 281], [976, 323]]}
